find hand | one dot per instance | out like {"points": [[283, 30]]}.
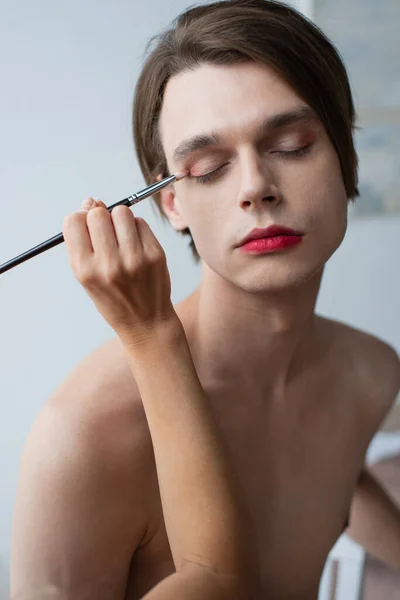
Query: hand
{"points": [[122, 267]]}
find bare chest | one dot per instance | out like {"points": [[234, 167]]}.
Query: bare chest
{"points": [[297, 462]]}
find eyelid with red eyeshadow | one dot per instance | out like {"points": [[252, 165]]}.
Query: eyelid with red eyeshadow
{"points": [[207, 176], [297, 153]]}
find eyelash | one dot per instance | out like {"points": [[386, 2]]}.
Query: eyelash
{"points": [[292, 154]]}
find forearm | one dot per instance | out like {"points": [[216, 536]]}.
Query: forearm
{"points": [[375, 521], [194, 583], [203, 513], [190, 583]]}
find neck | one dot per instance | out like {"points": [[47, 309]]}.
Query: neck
{"points": [[257, 340]]}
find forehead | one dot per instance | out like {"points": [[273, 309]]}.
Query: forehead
{"points": [[229, 99]]}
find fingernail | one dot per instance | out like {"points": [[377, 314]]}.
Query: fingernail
{"points": [[86, 204]]}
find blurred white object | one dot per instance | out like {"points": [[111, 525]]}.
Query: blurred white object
{"points": [[392, 421], [386, 442], [343, 573]]}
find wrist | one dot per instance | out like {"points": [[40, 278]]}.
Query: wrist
{"points": [[152, 341]]}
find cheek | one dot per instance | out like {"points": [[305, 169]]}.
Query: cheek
{"points": [[322, 203], [329, 217], [208, 221], [325, 192], [208, 225], [205, 208]]}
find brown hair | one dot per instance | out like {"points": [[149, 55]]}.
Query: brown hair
{"points": [[227, 32]]}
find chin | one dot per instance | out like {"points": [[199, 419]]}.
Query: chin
{"points": [[273, 273], [277, 278]]}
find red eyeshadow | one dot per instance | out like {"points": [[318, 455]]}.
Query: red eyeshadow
{"points": [[195, 171]]}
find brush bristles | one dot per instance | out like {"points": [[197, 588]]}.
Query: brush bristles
{"points": [[181, 175]]}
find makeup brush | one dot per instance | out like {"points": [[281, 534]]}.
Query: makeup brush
{"points": [[59, 238]]}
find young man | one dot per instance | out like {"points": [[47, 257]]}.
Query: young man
{"points": [[253, 102]]}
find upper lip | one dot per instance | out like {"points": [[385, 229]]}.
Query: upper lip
{"points": [[272, 231]]}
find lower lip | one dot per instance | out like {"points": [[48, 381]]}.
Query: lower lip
{"points": [[271, 244]]}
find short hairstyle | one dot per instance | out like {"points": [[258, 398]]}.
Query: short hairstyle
{"points": [[229, 32]]}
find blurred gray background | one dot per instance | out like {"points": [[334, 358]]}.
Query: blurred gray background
{"points": [[68, 71]]}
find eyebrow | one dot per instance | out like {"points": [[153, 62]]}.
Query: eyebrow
{"points": [[205, 140]]}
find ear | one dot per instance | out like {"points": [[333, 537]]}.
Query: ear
{"points": [[171, 207]]}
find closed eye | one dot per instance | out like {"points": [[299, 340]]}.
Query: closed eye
{"points": [[208, 176], [297, 152], [285, 153]]}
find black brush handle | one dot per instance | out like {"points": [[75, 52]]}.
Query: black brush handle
{"points": [[59, 238], [50, 243]]}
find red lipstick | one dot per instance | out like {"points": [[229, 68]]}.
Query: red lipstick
{"points": [[271, 239]]}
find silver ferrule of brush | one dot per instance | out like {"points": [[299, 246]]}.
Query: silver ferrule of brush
{"points": [[152, 189], [59, 238]]}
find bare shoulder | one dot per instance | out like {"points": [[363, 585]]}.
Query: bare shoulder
{"points": [[93, 431], [84, 482], [99, 399], [371, 362]]}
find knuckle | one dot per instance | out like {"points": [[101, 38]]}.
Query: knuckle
{"points": [[131, 265], [111, 273], [136, 267], [85, 274], [157, 255]]}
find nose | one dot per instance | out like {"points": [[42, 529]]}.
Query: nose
{"points": [[257, 187]]}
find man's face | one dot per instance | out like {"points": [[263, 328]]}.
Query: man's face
{"points": [[255, 181]]}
